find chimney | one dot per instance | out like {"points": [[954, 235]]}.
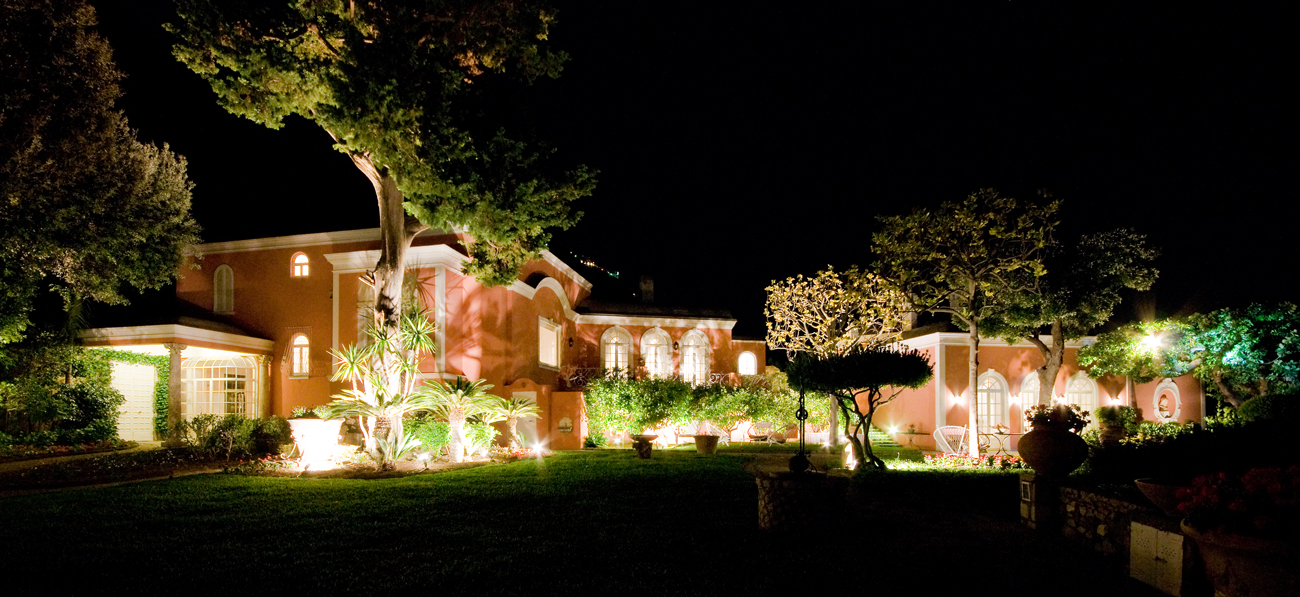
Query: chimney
{"points": [[647, 289]]}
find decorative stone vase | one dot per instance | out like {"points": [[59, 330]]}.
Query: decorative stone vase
{"points": [[316, 439], [1052, 450], [1163, 493], [706, 444], [1240, 566], [642, 445]]}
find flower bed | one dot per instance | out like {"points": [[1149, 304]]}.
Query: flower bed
{"points": [[15, 452], [991, 461]]}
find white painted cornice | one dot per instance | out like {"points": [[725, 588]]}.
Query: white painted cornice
{"points": [[416, 257], [528, 292], [651, 321], [961, 338], [550, 258], [153, 334], [296, 241]]}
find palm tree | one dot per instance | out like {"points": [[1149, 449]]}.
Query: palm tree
{"points": [[457, 401], [511, 410], [382, 375]]}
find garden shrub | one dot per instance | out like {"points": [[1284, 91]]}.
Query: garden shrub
{"points": [[1270, 408], [434, 435], [235, 436], [479, 435]]}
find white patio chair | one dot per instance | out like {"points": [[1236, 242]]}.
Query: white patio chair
{"points": [[760, 432], [951, 439]]}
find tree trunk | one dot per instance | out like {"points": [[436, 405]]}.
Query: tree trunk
{"points": [[972, 378], [1053, 357], [512, 426], [456, 447]]}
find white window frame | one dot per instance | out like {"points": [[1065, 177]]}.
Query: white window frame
{"points": [[657, 352], [991, 406], [220, 386], [747, 358], [619, 341], [299, 265], [547, 328], [1026, 399], [1083, 391], [696, 353], [223, 289], [300, 357]]}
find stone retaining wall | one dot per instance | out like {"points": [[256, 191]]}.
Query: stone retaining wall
{"points": [[1099, 521]]}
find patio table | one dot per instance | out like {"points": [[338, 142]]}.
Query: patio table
{"points": [[1002, 439]]}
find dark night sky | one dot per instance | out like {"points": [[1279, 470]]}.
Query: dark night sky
{"points": [[740, 143]]}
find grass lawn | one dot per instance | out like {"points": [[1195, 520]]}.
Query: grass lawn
{"points": [[575, 523]]}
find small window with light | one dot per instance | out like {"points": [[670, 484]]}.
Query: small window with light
{"points": [[548, 343], [301, 265], [301, 356], [748, 364]]}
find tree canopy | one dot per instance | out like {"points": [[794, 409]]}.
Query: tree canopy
{"points": [[1080, 287], [407, 89], [833, 312], [86, 208], [961, 258]]}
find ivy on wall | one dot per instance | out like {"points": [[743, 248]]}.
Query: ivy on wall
{"points": [[162, 365]]}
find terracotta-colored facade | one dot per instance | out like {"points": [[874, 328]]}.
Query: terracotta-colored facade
{"points": [[276, 290], [1005, 369]]}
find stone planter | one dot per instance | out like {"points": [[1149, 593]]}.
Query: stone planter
{"points": [[1052, 451], [706, 444], [317, 439], [642, 445], [1162, 493], [1240, 566], [800, 503]]}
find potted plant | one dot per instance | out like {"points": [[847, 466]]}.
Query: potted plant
{"points": [[1246, 527], [315, 437], [1053, 446]]}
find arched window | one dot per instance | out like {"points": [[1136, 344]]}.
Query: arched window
{"points": [[991, 400], [1082, 391], [616, 350], [656, 349], [748, 364], [301, 356], [223, 290], [695, 357], [1029, 390], [1166, 402], [300, 265]]}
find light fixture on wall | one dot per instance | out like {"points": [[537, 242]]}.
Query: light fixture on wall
{"points": [[674, 345], [570, 342]]}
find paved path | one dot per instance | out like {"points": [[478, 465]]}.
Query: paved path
{"points": [[29, 463]]}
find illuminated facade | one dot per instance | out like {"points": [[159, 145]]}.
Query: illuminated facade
{"points": [[277, 307]]}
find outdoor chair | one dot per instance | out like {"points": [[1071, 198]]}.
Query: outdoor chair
{"points": [[950, 439], [760, 432]]}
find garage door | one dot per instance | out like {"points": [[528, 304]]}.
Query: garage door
{"points": [[136, 383]]}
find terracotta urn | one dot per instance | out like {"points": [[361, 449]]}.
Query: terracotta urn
{"points": [[1052, 451], [1163, 493], [706, 444], [1241, 566]]}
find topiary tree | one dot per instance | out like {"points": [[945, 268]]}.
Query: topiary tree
{"points": [[861, 382]]}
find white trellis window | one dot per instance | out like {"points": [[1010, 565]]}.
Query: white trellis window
{"points": [[616, 350], [991, 402], [300, 363], [1029, 390], [220, 386], [300, 265], [223, 289], [656, 349], [1082, 391], [695, 357], [747, 364]]}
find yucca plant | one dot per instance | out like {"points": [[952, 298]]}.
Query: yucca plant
{"points": [[457, 401], [511, 410], [383, 375]]}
